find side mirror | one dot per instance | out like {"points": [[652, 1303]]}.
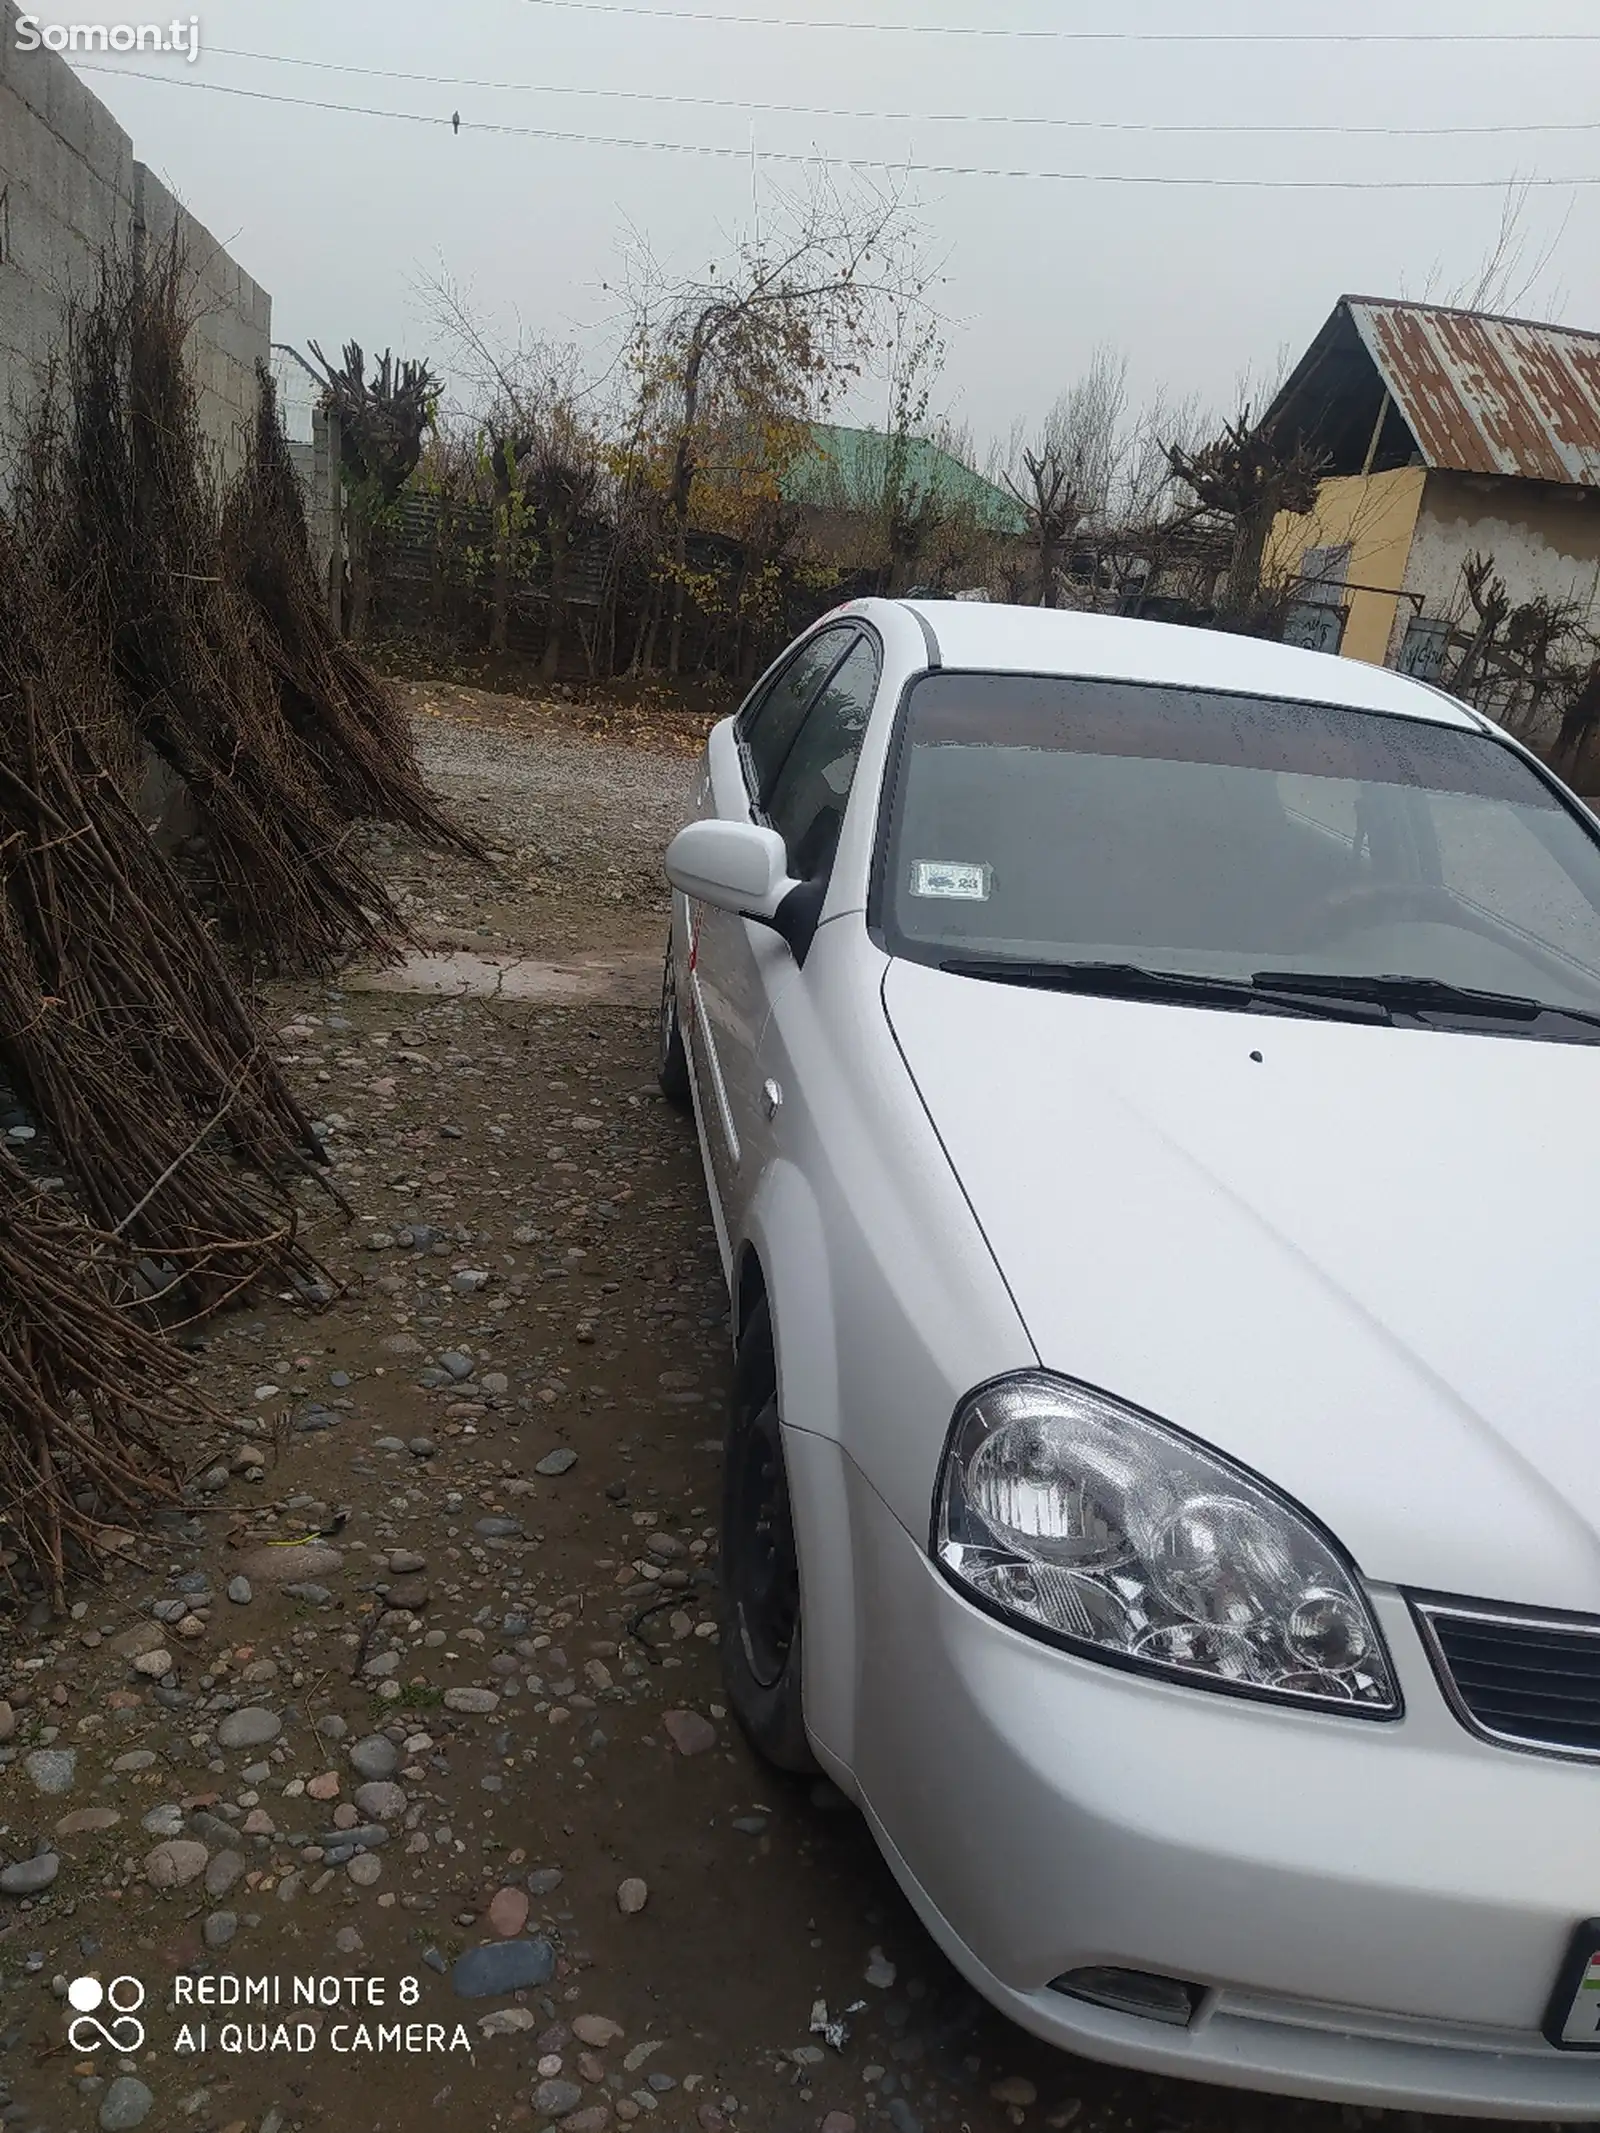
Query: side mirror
{"points": [[734, 866]]}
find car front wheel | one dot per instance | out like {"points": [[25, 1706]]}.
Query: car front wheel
{"points": [[761, 1626]]}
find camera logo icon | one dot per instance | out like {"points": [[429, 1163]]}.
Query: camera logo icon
{"points": [[122, 1999]]}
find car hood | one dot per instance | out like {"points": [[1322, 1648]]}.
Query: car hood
{"points": [[1362, 1260]]}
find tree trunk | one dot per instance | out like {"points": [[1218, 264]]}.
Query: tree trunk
{"points": [[505, 537], [1473, 657], [683, 470], [558, 533], [680, 589], [500, 584], [1579, 723], [1243, 588], [1049, 561], [360, 542], [439, 575]]}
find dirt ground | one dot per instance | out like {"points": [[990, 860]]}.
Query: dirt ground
{"points": [[518, 1649]]}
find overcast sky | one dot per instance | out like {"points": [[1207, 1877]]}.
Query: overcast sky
{"points": [[341, 214]]}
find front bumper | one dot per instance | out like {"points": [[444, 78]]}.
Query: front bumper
{"points": [[1376, 1912]]}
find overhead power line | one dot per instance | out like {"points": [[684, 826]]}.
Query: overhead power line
{"points": [[888, 165], [1053, 36], [1054, 120]]}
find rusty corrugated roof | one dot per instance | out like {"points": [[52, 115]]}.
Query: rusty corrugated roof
{"points": [[1487, 395]]}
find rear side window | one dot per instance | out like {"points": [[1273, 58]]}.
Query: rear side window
{"points": [[807, 803], [771, 723]]}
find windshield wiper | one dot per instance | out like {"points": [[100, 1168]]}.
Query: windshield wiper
{"points": [[1131, 981], [1421, 995]]}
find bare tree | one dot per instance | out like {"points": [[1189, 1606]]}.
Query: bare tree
{"points": [[742, 359], [1580, 721], [382, 423], [1240, 481], [1491, 604], [1052, 497], [911, 508], [532, 407], [1505, 277], [1087, 429]]}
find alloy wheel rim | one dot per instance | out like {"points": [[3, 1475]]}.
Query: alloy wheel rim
{"points": [[667, 1017]]}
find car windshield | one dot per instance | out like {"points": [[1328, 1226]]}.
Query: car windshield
{"points": [[1062, 823]]}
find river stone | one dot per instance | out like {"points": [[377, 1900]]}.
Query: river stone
{"points": [[88, 1822], [173, 1865], [597, 2031], [288, 1566], [556, 2099], [507, 2022], [477, 1702], [126, 2104], [508, 1912], [223, 1872], [52, 1770], [146, 1636], [375, 1757], [498, 1529], [29, 1877], [364, 1870], [557, 1462], [220, 1928], [505, 1966], [251, 1728], [381, 1802], [1016, 2089], [210, 1829], [632, 1896], [689, 1732]]}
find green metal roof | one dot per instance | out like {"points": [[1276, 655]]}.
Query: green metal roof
{"points": [[849, 468]]}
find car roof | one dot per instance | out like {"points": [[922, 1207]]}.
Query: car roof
{"points": [[987, 637]]}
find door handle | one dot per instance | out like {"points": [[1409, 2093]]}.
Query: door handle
{"points": [[771, 1099]]}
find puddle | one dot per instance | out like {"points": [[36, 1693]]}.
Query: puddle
{"points": [[622, 980]]}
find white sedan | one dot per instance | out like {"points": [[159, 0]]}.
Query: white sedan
{"points": [[1148, 1093]]}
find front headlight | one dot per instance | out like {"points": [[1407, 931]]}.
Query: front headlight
{"points": [[1095, 1526]]}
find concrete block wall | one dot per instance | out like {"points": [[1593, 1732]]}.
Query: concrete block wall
{"points": [[70, 187], [233, 328], [66, 191]]}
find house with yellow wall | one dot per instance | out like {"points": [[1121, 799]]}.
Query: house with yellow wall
{"points": [[1444, 434]]}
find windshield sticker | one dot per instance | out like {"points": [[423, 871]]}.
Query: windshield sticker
{"points": [[951, 877]]}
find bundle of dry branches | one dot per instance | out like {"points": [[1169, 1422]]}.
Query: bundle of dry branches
{"points": [[119, 1021], [350, 724], [86, 1391], [132, 539]]}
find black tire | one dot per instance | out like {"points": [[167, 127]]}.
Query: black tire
{"points": [[672, 1062], [761, 1627]]}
